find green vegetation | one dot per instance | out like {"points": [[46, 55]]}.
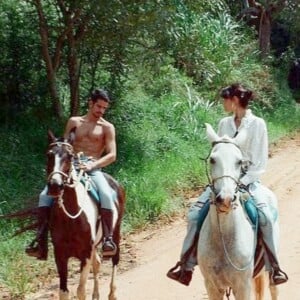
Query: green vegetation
{"points": [[164, 98]]}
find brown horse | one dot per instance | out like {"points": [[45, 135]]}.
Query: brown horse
{"points": [[74, 223]]}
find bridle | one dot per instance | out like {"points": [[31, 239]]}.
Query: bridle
{"points": [[68, 179], [212, 181], [235, 199]]}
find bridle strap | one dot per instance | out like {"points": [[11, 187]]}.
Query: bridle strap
{"points": [[59, 144], [66, 176], [212, 180], [225, 142], [57, 172]]}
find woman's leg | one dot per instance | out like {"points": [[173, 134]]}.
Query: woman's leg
{"points": [[188, 259], [266, 225]]}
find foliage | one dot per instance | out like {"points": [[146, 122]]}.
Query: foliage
{"points": [[164, 63]]}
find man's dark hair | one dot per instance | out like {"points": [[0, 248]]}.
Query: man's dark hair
{"points": [[99, 94]]}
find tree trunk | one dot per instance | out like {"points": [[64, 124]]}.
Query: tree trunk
{"points": [[265, 34], [263, 22], [73, 69], [51, 67]]}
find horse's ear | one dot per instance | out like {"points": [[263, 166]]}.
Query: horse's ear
{"points": [[211, 134], [71, 137], [51, 137]]}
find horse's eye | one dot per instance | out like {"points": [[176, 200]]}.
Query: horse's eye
{"points": [[50, 152], [212, 160]]}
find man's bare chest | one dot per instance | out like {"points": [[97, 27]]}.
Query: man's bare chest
{"points": [[91, 132]]}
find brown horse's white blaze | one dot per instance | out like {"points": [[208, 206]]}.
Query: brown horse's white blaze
{"points": [[74, 223]]}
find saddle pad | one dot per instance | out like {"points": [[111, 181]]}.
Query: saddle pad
{"points": [[92, 191], [251, 210]]}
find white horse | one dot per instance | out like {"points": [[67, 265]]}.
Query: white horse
{"points": [[227, 243]]}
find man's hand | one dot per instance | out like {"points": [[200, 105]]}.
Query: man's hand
{"points": [[87, 166]]}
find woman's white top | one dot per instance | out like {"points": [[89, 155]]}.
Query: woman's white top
{"points": [[255, 147]]}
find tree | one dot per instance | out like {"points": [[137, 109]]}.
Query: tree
{"points": [[60, 38], [260, 15]]}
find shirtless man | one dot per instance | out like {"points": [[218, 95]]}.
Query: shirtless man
{"points": [[95, 138]]}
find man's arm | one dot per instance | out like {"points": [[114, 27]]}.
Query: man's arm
{"points": [[110, 151], [70, 125], [110, 148]]}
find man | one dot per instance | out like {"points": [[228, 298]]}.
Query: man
{"points": [[95, 137]]}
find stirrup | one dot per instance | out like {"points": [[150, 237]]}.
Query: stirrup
{"points": [[178, 264], [107, 253], [280, 278], [182, 276]]}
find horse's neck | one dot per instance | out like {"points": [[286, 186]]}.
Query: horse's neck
{"points": [[229, 224], [70, 198]]}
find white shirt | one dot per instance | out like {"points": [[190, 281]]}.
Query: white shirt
{"points": [[255, 147]]}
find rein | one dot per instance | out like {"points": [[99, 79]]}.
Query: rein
{"points": [[248, 264], [61, 200]]}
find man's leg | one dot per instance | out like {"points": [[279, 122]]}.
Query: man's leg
{"points": [[183, 270], [39, 246], [106, 194]]}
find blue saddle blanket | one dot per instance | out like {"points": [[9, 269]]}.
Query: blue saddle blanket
{"points": [[92, 190], [248, 205]]}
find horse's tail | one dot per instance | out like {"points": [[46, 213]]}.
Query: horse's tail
{"points": [[30, 213], [21, 214], [23, 229]]}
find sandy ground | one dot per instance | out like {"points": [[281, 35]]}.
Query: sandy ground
{"points": [[147, 256]]}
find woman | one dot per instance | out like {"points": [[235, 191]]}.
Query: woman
{"points": [[236, 100]]}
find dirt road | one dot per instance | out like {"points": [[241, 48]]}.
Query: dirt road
{"points": [[154, 252]]}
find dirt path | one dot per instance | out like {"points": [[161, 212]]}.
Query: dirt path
{"points": [[152, 253]]}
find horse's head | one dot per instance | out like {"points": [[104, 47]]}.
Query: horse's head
{"points": [[60, 155], [226, 165]]}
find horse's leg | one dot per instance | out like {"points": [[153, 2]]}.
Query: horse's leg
{"points": [[113, 288], [62, 269], [213, 293], [273, 290], [244, 290], [259, 286], [84, 273], [96, 268]]}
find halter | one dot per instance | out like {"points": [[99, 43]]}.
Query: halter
{"points": [[213, 180], [67, 179], [236, 197]]}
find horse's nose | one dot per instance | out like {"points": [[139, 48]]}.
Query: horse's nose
{"points": [[55, 188], [226, 202]]}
